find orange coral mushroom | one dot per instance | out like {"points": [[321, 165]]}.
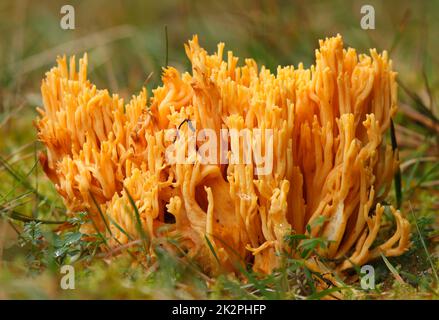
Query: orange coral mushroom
{"points": [[329, 156]]}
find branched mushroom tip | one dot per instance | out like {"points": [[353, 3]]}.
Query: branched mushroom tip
{"points": [[330, 156]]}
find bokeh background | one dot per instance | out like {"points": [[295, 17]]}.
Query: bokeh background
{"points": [[126, 41], [129, 40]]}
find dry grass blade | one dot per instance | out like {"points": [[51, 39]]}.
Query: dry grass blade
{"points": [[429, 122], [405, 165], [392, 269]]}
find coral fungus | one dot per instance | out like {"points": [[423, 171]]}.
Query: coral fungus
{"points": [[331, 163]]}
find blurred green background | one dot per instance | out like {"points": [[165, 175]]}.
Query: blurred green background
{"points": [[126, 41]]}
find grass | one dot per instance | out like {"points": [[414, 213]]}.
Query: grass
{"points": [[128, 44]]}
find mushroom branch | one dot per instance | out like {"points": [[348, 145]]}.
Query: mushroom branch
{"points": [[330, 163]]}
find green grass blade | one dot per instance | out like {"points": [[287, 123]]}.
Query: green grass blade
{"points": [[433, 268], [120, 228], [100, 213], [21, 217], [212, 249], [397, 176], [138, 221]]}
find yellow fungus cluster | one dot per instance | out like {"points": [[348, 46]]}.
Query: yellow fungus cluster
{"points": [[331, 163]]}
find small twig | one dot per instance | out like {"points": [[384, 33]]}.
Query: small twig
{"points": [[188, 121]]}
